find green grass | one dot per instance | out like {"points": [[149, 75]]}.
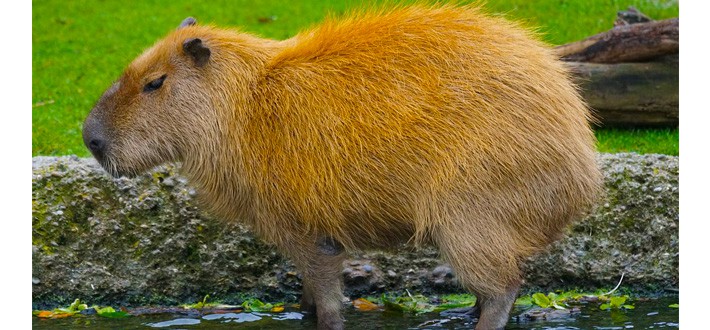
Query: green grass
{"points": [[80, 47], [659, 141]]}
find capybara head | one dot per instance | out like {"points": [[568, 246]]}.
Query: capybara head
{"points": [[147, 115]]}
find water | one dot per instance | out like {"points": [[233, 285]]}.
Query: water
{"points": [[652, 314]]}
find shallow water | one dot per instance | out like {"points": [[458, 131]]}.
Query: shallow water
{"points": [[652, 314]]}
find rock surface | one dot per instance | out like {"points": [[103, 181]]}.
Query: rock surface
{"points": [[143, 241]]}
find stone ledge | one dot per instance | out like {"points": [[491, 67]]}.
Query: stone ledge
{"points": [[143, 241]]}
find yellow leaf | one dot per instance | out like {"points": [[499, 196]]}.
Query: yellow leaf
{"points": [[44, 314], [277, 309], [364, 305]]}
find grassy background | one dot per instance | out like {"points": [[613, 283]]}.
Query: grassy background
{"points": [[80, 47]]}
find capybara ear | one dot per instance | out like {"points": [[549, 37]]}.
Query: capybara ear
{"points": [[190, 21], [197, 50]]}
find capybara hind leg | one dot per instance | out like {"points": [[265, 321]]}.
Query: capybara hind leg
{"points": [[495, 309], [321, 265], [485, 262]]}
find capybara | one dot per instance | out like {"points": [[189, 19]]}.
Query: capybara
{"points": [[427, 124]]}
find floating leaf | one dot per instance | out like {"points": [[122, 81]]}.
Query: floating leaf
{"points": [[56, 314], [198, 305], [109, 312], [541, 300], [62, 312], [455, 301], [674, 306], [524, 301], [115, 315], [224, 306], [392, 306], [256, 305], [444, 307], [77, 306], [364, 305], [557, 306], [105, 310], [44, 314], [617, 301], [204, 301], [277, 309], [409, 304], [461, 297], [80, 307]]}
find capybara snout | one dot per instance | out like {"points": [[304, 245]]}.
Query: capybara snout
{"points": [[94, 138]]}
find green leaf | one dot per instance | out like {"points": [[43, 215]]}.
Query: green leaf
{"points": [[541, 300], [391, 306], [617, 301], [444, 307], [115, 315], [605, 306], [104, 310], [674, 306], [422, 307], [256, 305], [109, 312], [77, 306], [570, 295], [65, 310], [628, 306], [200, 304], [558, 306], [524, 301], [459, 298], [408, 304]]}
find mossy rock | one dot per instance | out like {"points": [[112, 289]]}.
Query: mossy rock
{"points": [[142, 241]]}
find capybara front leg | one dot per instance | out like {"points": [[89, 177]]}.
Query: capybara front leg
{"points": [[495, 309], [308, 305], [322, 265]]}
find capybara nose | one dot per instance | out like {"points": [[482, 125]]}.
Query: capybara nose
{"points": [[93, 139], [97, 146]]}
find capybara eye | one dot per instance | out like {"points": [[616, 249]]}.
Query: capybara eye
{"points": [[155, 84]]}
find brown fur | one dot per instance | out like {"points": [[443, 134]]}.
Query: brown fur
{"points": [[428, 124]]}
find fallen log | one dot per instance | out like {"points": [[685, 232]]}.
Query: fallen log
{"points": [[630, 16], [625, 43], [631, 94], [629, 74]]}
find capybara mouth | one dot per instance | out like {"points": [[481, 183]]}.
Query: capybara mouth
{"points": [[116, 171]]}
